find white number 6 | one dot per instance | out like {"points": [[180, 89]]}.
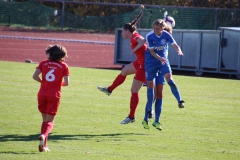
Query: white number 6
{"points": [[50, 76]]}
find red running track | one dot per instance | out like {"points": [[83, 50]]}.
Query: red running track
{"points": [[79, 54]]}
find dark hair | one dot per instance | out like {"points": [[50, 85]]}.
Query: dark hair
{"points": [[56, 52], [163, 24], [132, 26]]}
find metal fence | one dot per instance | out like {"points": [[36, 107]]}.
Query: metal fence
{"points": [[35, 15], [213, 51]]}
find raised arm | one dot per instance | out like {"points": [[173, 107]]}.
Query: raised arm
{"points": [[178, 49]]}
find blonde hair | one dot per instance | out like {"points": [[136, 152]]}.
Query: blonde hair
{"points": [[161, 23]]}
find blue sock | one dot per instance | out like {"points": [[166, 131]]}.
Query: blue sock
{"points": [[150, 96], [158, 109], [174, 90]]}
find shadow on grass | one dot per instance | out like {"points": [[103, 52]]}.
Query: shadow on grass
{"points": [[12, 152], [54, 137]]}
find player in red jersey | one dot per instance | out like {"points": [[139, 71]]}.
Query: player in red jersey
{"points": [[139, 47], [53, 71]]}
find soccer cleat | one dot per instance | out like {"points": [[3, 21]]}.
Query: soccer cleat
{"points": [[46, 149], [150, 114], [128, 120], [145, 124], [181, 104], [104, 89], [157, 125], [41, 143]]}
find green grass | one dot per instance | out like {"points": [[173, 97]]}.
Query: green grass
{"points": [[87, 125]]}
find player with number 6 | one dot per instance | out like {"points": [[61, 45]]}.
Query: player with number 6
{"points": [[53, 71]]}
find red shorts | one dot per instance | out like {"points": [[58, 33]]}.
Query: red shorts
{"points": [[140, 72], [48, 104]]}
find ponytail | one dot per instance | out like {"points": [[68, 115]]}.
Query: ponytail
{"points": [[168, 28], [138, 17], [132, 26]]}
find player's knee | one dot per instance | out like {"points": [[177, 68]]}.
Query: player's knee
{"points": [[172, 84], [159, 95], [150, 85], [134, 90], [123, 73]]}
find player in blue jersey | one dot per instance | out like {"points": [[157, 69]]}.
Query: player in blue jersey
{"points": [[156, 61], [159, 81]]}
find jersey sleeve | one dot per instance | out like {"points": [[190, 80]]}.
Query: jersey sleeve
{"points": [[149, 41], [170, 38], [39, 66], [66, 71], [134, 40]]}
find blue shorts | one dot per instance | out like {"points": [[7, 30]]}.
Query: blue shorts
{"points": [[159, 79], [152, 69]]}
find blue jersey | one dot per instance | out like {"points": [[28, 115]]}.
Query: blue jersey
{"points": [[159, 44]]}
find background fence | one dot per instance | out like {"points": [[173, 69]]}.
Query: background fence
{"points": [[212, 51], [35, 15]]}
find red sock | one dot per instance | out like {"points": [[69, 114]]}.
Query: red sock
{"points": [[45, 142], [118, 81], [133, 104], [47, 129], [42, 127]]}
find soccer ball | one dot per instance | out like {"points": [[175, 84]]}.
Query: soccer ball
{"points": [[168, 19], [55, 12]]}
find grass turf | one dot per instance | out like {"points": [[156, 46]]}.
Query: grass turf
{"points": [[88, 122]]}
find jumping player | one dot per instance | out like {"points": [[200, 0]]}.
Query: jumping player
{"points": [[159, 81], [53, 71], [139, 47], [156, 61]]}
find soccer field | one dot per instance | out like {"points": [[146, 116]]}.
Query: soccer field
{"points": [[88, 122]]}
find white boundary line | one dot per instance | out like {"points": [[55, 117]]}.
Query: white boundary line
{"points": [[57, 39]]}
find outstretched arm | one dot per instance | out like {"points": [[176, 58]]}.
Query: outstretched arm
{"points": [[178, 49]]}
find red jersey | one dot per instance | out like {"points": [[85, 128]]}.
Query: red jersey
{"points": [[140, 52], [52, 76]]}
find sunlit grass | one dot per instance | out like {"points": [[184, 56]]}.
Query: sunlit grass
{"points": [[87, 125]]}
